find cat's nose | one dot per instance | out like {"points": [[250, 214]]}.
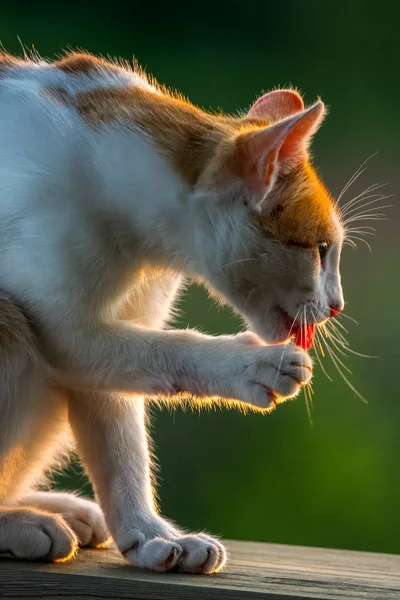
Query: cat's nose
{"points": [[336, 309]]}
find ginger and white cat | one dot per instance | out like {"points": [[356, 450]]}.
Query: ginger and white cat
{"points": [[112, 190]]}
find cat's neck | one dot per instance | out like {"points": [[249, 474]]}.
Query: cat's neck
{"points": [[135, 187], [185, 135], [152, 150]]}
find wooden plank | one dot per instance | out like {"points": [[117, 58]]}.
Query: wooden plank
{"points": [[268, 571]]}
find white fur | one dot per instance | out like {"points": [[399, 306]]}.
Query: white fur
{"points": [[96, 233]]}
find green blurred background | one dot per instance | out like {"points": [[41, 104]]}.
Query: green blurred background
{"points": [[275, 478]]}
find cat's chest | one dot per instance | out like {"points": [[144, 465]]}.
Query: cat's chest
{"points": [[151, 298]]}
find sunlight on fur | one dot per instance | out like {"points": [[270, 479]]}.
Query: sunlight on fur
{"points": [[124, 192]]}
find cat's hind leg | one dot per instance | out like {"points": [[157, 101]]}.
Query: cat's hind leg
{"points": [[30, 425], [33, 430]]}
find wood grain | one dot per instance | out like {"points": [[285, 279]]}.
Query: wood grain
{"points": [[255, 571]]}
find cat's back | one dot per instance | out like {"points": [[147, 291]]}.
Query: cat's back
{"points": [[74, 73], [54, 213], [45, 146], [38, 94]]}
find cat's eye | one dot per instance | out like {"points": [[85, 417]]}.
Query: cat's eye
{"points": [[323, 249]]}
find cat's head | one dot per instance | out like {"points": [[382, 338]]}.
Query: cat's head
{"points": [[272, 234]]}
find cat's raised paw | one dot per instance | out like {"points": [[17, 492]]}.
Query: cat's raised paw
{"points": [[275, 374]]}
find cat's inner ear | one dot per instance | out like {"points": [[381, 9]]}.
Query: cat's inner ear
{"points": [[276, 105], [262, 153]]}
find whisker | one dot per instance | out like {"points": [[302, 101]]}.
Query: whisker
{"points": [[355, 176], [351, 386], [286, 346], [370, 218], [236, 262], [331, 326], [317, 332], [368, 215], [342, 314], [348, 242], [308, 399], [372, 188], [356, 237], [336, 323], [337, 358], [339, 347], [347, 346], [359, 231], [363, 227], [354, 208], [307, 395], [371, 192], [352, 179], [368, 211], [339, 334]]}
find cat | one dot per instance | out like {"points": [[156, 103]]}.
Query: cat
{"points": [[114, 191]]}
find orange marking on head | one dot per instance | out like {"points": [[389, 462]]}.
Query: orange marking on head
{"points": [[307, 218]]}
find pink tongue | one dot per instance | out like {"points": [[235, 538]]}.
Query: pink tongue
{"points": [[304, 337]]}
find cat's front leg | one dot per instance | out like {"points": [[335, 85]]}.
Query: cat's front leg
{"points": [[112, 441], [157, 362]]}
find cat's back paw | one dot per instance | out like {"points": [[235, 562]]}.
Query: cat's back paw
{"points": [[87, 520], [31, 534], [84, 516]]}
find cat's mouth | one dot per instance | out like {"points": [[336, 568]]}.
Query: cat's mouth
{"points": [[304, 336], [301, 333]]}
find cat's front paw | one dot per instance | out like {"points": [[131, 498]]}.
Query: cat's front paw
{"points": [[170, 550], [269, 375], [202, 553]]}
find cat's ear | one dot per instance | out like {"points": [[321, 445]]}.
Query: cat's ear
{"points": [[276, 105], [261, 154]]}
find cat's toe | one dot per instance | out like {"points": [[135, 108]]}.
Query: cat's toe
{"points": [[222, 553], [201, 554], [41, 536], [87, 520], [157, 554]]}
